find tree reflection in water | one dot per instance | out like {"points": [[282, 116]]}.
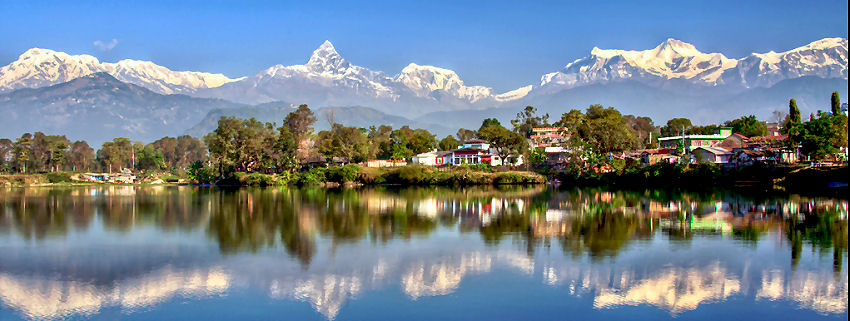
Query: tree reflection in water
{"points": [[598, 223]]}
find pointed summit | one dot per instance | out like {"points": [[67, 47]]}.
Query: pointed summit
{"points": [[327, 45], [326, 59], [677, 46]]}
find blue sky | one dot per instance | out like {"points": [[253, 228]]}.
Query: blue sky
{"points": [[502, 44]]}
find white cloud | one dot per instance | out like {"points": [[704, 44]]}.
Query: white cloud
{"points": [[105, 46]]}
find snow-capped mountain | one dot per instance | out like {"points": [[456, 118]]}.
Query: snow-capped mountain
{"points": [[329, 79], [825, 58], [424, 81], [677, 60], [43, 67]]}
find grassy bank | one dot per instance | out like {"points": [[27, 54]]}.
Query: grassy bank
{"points": [[61, 178], [407, 175]]}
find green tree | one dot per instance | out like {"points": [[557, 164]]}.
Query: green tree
{"points": [[536, 156], [675, 127], [247, 146], [149, 158], [748, 126], [703, 130], [300, 122], [489, 122], [449, 143], [603, 130], [504, 141], [116, 154], [344, 141], [822, 136], [22, 152], [836, 103]]}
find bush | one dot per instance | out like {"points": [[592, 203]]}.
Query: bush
{"points": [[58, 178], [518, 178], [314, 176], [412, 174], [258, 179], [342, 174], [480, 167], [200, 174], [370, 175]]}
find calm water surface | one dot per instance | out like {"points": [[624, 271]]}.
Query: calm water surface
{"points": [[162, 253]]}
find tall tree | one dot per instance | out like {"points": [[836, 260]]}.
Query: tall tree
{"points": [[117, 154], [527, 120], [641, 128], [794, 112], [504, 141], [379, 141], [81, 155], [22, 152], [6, 147], [300, 122], [836, 103]]}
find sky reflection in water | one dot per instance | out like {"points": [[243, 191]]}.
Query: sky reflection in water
{"points": [[512, 253]]}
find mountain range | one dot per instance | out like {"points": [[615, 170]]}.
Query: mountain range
{"points": [[673, 79]]}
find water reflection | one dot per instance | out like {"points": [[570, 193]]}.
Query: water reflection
{"points": [[77, 251]]}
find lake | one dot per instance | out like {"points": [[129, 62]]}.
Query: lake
{"points": [[514, 253]]}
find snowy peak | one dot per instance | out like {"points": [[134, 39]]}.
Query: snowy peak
{"points": [[672, 47], [325, 59], [434, 81], [825, 58], [428, 78], [38, 67], [675, 59]]}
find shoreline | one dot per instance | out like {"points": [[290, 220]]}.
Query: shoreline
{"points": [[695, 177]]}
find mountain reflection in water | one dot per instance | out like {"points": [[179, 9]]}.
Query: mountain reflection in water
{"points": [[80, 251]]}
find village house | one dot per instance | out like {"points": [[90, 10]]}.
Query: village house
{"points": [[385, 163], [655, 156], [547, 137], [473, 151], [711, 154], [325, 161], [478, 151], [125, 177], [432, 158], [690, 142]]}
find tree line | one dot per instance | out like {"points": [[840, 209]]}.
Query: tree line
{"points": [[248, 145], [38, 152]]}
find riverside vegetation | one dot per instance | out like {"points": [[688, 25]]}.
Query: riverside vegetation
{"points": [[250, 152]]}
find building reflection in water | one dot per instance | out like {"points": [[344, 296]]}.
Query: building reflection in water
{"points": [[362, 237]]}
